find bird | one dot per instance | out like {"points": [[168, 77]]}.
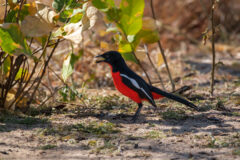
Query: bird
{"points": [[133, 86]]}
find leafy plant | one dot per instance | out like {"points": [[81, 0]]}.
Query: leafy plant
{"points": [[25, 24], [129, 26]]}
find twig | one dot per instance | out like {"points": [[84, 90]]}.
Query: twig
{"points": [[162, 51], [4, 58], [65, 84], [213, 48], [44, 70], [39, 49], [138, 61], [140, 64], [49, 81], [5, 14], [155, 69], [49, 97], [19, 11], [30, 77]]}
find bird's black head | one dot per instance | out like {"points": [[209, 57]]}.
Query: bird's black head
{"points": [[110, 57]]}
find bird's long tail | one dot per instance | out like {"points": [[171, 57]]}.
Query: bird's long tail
{"points": [[157, 93]]}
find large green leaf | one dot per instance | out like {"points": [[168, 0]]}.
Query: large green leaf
{"points": [[12, 40], [131, 19], [68, 65]]}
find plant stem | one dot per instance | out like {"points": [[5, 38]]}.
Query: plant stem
{"points": [[43, 72], [155, 69], [162, 51], [5, 14], [19, 97], [138, 61], [213, 48], [19, 11]]}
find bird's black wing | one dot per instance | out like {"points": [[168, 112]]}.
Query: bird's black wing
{"points": [[137, 84]]}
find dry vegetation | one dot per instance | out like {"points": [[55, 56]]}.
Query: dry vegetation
{"points": [[95, 122]]}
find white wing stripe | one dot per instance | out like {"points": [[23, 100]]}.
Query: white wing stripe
{"points": [[134, 82]]}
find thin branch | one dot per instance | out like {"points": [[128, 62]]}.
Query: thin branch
{"points": [[162, 51], [5, 14], [44, 70], [155, 69], [140, 64], [18, 98], [49, 97], [39, 49], [4, 58], [138, 61], [19, 11], [65, 84], [213, 48]]}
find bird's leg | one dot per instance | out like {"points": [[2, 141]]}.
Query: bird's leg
{"points": [[137, 112]]}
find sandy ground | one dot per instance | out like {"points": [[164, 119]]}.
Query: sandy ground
{"points": [[103, 129], [157, 134]]}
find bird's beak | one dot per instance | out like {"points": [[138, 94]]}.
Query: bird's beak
{"points": [[99, 59]]}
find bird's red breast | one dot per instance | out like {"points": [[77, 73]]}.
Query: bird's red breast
{"points": [[124, 89]]}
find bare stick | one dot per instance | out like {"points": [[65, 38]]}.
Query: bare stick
{"points": [[39, 49], [140, 64], [17, 99], [19, 11], [155, 69], [138, 61], [162, 51], [44, 70], [5, 14], [213, 48]]}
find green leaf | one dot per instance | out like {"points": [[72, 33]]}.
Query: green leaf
{"points": [[76, 18], [103, 5], [68, 4], [58, 4], [150, 36], [126, 51], [21, 72], [131, 19], [12, 40], [129, 57], [146, 36], [11, 16], [64, 93], [64, 15], [124, 47], [27, 9], [68, 65], [114, 14], [6, 65]]}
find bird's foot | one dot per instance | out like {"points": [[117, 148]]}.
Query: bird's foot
{"points": [[153, 107], [134, 118]]}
